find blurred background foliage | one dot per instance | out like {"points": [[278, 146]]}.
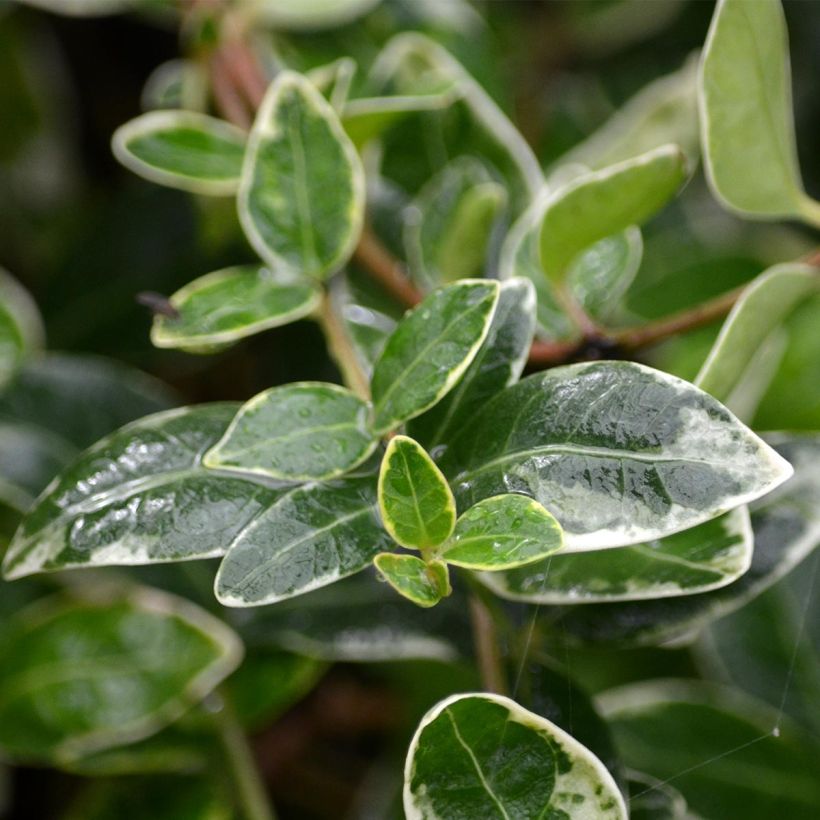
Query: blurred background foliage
{"points": [[84, 235]]}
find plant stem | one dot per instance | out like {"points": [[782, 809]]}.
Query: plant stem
{"points": [[250, 790], [385, 269], [488, 652], [341, 348]]}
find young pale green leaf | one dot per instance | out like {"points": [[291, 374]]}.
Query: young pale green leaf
{"points": [[747, 126], [483, 755], [183, 149], [448, 226], [81, 8], [139, 496], [618, 452], [308, 15], [498, 364], [222, 307], [761, 310], [605, 202], [425, 584], [696, 560], [751, 763], [21, 328], [415, 501], [57, 698], [502, 532], [663, 112], [300, 432], [786, 528], [334, 80], [301, 196], [311, 536], [430, 350]]}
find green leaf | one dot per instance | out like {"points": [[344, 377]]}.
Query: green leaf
{"points": [[650, 799], [301, 197], [765, 304], [21, 328], [334, 80], [663, 112], [786, 528], [361, 620], [415, 501], [230, 304], [498, 364], [183, 149], [484, 755], [78, 399], [160, 797], [300, 432], [751, 763], [502, 532], [448, 226], [81, 8], [430, 350], [747, 126], [705, 557], [140, 496], [79, 676], [425, 584], [602, 203], [601, 275], [309, 15], [618, 452], [367, 118], [311, 536]]}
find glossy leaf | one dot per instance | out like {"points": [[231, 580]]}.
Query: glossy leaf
{"points": [[21, 328], [140, 496], [663, 112], [298, 15], [359, 619], [299, 432], [301, 198], [617, 452], [430, 350], [747, 126], [425, 584], [222, 307], [498, 364], [602, 203], [502, 532], [765, 304], [750, 763], [696, 560], [183, 149], [786, 528], [484, 755], [415, 501], [85, 675], [311, 536]]}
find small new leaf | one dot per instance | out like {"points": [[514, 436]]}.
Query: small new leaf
{"points": [[301, 197], [300, 432], [502, 532], [415, 501], [183, 149], [430, 350], [425, 584], [230, 304], [605, 202], [483, 755]]}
